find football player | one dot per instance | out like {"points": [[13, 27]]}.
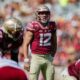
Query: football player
{"points": [[11, 37], [10, 41], [41, 35], [74, 69]]}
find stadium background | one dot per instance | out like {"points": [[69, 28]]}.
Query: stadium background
{"points": [[65, 12]]}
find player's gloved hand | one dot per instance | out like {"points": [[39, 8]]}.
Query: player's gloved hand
{"points": [[27, 64]]}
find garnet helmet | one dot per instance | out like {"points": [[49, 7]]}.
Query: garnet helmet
{"points": [[43, 14]]}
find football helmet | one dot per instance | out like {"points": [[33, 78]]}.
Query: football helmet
{"points": [[43, 14], [13, 27]]}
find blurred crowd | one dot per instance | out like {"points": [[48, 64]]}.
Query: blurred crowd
{"points": [[66, 13]]}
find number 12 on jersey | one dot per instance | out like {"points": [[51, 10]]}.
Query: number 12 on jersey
{"points": [[45, 39]]}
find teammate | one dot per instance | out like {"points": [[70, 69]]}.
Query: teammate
{"points": [[10, 41], [10, 70], [41, 35], [74, 69]]}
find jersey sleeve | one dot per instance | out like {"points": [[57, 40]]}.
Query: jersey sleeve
{"points": [[30, 27], [53, 26], [72, 69], [22, 75]]}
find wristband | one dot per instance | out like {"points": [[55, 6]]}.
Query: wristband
{"points": [[26, 60]]}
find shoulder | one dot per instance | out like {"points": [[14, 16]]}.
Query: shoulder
{"points": [[32, 26], [72, 65], [33, 23], [17, 70], [22, 74], [53, 25]]}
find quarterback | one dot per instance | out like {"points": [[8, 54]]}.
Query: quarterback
{"points": [[41, 36]]}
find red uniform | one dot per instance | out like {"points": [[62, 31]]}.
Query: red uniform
{"points": [[74, 70], [9, 70], [42, 39]]}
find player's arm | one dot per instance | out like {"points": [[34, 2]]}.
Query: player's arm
{"points": [[26, 41]]}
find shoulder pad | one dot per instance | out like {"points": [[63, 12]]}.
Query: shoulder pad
{"points": [[53, 25]]}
